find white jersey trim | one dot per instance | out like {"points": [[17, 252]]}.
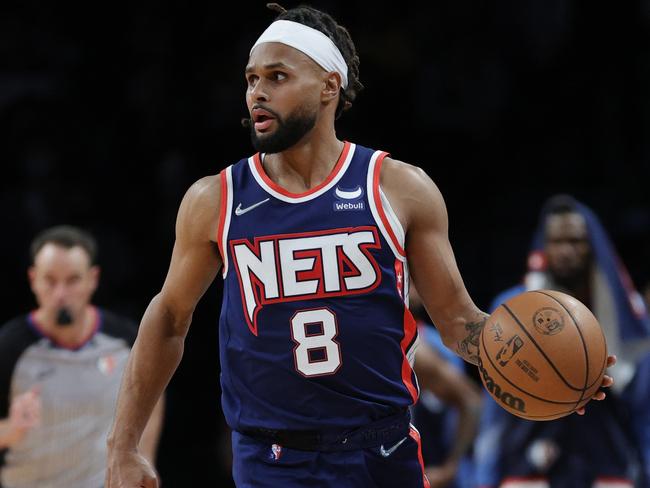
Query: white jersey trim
{"points": [[392, 220], [406, 287], [310, 196], [227, 213]]}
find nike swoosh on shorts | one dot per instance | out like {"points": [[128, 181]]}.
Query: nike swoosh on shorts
{"points": [[387, 452]]}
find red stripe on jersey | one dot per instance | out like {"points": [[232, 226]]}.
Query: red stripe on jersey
{"points": [[410, 329], [380, 207], [272, 184], [415, 435], [222, 213]]}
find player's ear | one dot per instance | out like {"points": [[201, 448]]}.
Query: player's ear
{"points": [[31, 275], [331, 87], [94, 273]]}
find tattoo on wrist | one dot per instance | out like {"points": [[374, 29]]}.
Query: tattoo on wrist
{"points": [[469, 345]]}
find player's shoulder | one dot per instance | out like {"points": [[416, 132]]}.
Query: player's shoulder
{"points": [[205, 190], [413, 194], [201, 207], [118, 326], [407, 176]]}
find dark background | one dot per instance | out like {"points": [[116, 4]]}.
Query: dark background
{"points": [[109, 111]]}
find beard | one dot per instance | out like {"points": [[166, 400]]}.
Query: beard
{"points": [[572, 279], [287, 134]]}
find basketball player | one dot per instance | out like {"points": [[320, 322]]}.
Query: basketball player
{"points": [[60, 368], [606, 447], [310, 234]]}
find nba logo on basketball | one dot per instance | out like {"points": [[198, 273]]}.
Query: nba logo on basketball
{"points": [[276, 452], [509, 349]]}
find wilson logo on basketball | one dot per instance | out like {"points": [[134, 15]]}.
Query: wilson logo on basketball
{"points": [[508, 399], [548, 321]]}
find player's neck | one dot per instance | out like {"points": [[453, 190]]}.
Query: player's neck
{"points": [[72, 335], [306, 164]]}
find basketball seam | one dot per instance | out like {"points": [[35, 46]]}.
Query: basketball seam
{"points": [[602, 371], [518, 387], [582, 339], [569, 385], [548, 417]]}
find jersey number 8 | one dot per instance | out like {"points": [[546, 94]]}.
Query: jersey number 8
{"points": [[316, 352]]}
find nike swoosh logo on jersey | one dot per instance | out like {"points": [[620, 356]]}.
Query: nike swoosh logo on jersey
{"points": [[241, 211], [389, 451], [349, 194]]}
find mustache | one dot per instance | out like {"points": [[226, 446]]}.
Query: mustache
{"points": [[247, 122]]}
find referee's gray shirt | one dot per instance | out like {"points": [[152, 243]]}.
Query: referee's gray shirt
{"points": [[78, 392]]}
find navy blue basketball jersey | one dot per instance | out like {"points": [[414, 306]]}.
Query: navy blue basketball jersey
{"points": [[315, 331]]}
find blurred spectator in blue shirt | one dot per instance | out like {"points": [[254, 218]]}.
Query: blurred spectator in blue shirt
{"points": [[608, 447]]}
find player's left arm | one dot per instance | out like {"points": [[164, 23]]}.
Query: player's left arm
{"points": [[421, 209]]}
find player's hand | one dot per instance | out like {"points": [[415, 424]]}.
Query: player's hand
{"points": [[441, 475], [25, 412], [607, 382], [130, 469]]}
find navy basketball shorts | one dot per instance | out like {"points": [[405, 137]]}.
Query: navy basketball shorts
{"points": [[258, 464]]}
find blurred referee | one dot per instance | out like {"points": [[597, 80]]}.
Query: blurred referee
{"points": [[60, 369]]}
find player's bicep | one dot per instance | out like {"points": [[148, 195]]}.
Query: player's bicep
{"points": [[195, 258], [431, 259], [434, 269]]}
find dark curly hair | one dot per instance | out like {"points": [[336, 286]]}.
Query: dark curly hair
{"points": [[340, 37]]}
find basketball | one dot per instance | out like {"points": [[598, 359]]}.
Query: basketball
{"points": [[542, 355]]}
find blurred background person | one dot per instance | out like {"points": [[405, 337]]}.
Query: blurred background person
{"points": [[60, 369], [604, 448], [448, 411]]}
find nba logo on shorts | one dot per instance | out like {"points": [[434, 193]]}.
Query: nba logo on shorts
{"points": [[276, 452]]}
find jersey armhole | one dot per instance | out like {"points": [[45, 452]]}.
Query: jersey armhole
{"points": [[225, 211], [383, 213]]}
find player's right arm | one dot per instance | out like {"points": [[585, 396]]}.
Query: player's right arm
{"points": [[159, 346]]}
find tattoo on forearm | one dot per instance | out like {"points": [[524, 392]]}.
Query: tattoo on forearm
{"points": [[468, 346]]}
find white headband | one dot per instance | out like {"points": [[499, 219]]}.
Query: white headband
{"points": [[310, 41]]}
